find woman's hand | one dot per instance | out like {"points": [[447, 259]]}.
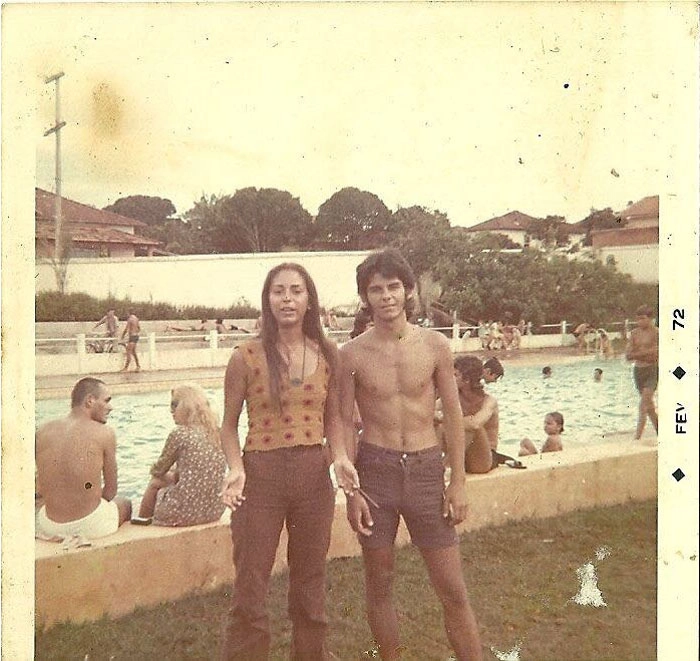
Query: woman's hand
{"points": [[346, 475], [232, 488]]}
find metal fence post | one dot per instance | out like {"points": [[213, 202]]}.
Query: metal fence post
{"points": [[563, 332]]}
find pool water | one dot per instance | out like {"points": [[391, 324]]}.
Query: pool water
{"points": [[142, 421]]}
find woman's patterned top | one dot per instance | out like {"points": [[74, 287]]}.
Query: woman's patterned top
{"points": [[201, 465], [300, 421]]}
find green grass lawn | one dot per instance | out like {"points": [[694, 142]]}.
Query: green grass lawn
{"points": [[521, 577]]}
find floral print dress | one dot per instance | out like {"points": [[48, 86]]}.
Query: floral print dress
{"points": [[201, 465]]}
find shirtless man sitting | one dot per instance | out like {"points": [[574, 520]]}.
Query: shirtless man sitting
{"points": [[393, 371], [77, 469], [643, 349]]}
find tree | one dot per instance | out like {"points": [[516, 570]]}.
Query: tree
{"points": [[352, 219], [251, 220], [603, 219], [153, 211], [420, 235], [552, 231]]}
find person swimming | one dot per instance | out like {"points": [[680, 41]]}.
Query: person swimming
{"points": [[553, 427]]}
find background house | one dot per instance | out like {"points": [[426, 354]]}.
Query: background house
{"points": [[519, 228], [92, 232], [514, 225], [635, 245]]}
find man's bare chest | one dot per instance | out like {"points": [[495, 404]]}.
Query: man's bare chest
{"points": [[394, 370]]}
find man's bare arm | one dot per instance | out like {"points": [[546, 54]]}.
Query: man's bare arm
{"points": [[109, 465], [346, 388], [357, 509], [483, 415], [455, 498], [335, 430]]}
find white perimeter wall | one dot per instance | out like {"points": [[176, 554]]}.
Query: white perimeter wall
{"points": [[212, 280], [641, 262]]}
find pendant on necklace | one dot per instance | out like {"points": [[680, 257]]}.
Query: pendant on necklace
{"points": [[295, 382]]}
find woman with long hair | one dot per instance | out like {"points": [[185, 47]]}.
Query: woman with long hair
{"points": [[188, 494], [287, 377]]}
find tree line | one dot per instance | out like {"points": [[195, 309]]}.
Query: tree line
{"points": [[464, 272]]}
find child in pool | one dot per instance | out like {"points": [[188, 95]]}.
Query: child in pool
{"points": [[553, 427]]}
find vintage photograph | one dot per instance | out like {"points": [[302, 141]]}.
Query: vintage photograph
{"points": [[359, 330]]}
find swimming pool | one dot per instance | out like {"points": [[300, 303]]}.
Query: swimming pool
{"points": [[142, 421]]}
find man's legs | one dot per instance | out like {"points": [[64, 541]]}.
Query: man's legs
{"points": [[478, 458], [646, 408], [445, 571], [129, 351], [379, 580]]}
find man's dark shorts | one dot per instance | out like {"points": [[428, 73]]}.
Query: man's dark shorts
{"points": [[646, 377], [410, 484]]}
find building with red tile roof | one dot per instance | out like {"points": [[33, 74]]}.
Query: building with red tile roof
{"points": [[635, 245], [92, 232], [517, 226]]}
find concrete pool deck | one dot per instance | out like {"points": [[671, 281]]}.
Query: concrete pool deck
{"points": [[60, 386], [144, 566]]}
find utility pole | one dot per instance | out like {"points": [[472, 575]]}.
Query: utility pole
{"points": [[56, 129]]}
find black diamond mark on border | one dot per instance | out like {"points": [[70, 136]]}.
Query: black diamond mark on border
{"points": [[679, 372], [678, 474]]}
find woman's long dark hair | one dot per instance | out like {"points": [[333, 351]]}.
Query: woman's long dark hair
{"points": [[311, 327]]}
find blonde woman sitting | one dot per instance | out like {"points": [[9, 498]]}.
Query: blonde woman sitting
{"points": [[187, 477]]}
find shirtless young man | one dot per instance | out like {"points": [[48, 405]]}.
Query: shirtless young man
{"points": [[643, 349], [111, 322], [132, 329], [77, 469], [393, 371]]}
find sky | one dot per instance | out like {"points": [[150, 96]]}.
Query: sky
{"points": [[472, 109]]}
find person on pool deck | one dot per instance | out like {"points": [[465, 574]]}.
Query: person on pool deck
{"points": [[393, 371], [479, 416], [76, 469], [190, 494], [553, 427], [492, 370], [288, 379], [111, 322], [643, 349], [132, 329]]}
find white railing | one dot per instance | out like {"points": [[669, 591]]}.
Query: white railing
{"points": [[86, 354]]}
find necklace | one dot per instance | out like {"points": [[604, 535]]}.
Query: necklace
{"points": [[296, 381]]}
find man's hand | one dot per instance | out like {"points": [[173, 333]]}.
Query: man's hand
{"points": [[454, 506], [358, 514], [232, 489], [346, 475]]}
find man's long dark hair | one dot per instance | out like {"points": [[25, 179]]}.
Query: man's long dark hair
{"points": [[311, 327], [471, 369], [389, 263]]}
